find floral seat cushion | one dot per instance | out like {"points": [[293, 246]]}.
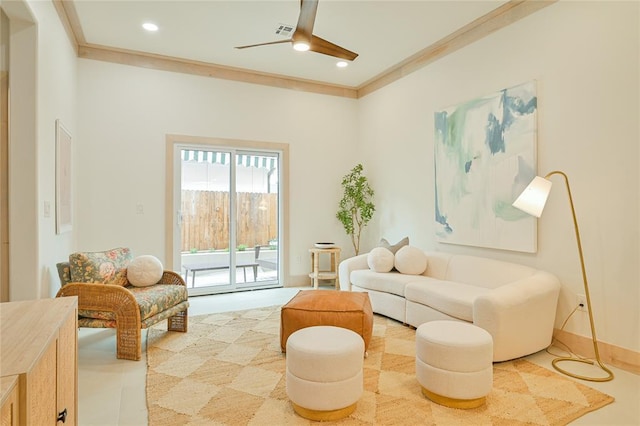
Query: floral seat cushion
{"points": [[158, 298], [152, 300]]}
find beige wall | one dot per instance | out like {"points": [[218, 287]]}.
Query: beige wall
{"points": [[125, 113], [42, 86], [56, 101], [23, 255], [584, 57]]}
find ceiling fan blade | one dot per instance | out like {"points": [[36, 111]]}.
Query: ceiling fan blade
{"points": [[325, 47], [306, 19], [304, 33], [264, 44]]}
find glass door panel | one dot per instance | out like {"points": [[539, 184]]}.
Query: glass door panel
{"points": [[229, 204], [257, 218], [206, 218]]}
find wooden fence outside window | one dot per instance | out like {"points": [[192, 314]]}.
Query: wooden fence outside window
{"points": [[205, 219]]}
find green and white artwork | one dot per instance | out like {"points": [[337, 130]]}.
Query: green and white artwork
{"points": [[485, 155]]}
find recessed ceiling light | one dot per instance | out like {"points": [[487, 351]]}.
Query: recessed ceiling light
{"points": [[149, 26], [342, 64]]}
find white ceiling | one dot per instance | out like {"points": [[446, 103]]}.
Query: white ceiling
{"points": [[383, 33]]}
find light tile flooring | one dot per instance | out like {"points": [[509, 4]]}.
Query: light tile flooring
{"points": [[112, 391]]}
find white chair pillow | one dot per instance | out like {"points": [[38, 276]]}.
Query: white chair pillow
{"points": [[380, 259], [410, 260], [144, 271]]}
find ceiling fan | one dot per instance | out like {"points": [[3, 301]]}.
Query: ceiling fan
{"points": [[303, 38]]}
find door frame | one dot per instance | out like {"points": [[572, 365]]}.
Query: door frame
{"points": [[4, 183], [172, 193]]}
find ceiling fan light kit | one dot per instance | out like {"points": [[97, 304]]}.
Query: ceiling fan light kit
{"points": [[301, 46], [303, 38], [300, 42]]}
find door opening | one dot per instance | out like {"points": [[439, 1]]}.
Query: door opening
{"points": [[228, 214]]}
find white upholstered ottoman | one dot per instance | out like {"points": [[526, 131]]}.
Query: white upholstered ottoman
{"points": [[324, 371], [454, 363]]}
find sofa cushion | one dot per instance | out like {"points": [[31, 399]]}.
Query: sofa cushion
{"points": [[393, 248], [380, 259], [390, 282], [437, 264], [451, 298], [106, 267], [488, 273], [410, 260]]}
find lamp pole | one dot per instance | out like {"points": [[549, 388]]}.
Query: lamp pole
{"points": [[558, 360]]}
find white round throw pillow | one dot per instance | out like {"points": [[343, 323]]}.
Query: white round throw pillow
{"points": [[144, 271], [380, 259], [410, 260]]}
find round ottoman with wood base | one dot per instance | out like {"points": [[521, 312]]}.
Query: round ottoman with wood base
{"points": [[454, 363], [324, 372]]}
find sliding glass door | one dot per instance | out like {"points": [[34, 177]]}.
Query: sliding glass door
{"points": [[228, 215]]}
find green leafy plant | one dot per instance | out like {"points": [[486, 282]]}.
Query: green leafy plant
{"points": [[242, 247], [356, 206]]}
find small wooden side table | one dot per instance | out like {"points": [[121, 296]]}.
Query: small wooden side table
{"points": [[332, 274]]}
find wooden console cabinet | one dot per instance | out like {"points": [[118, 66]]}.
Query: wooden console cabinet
{"points": [[39, 362]]}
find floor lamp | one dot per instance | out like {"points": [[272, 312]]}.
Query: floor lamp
{"points": [[532, 201]]}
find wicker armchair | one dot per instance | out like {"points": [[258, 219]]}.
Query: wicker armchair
{"points": [[128, 309]]}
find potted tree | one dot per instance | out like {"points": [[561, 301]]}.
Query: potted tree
{"points": [[356, 206]]}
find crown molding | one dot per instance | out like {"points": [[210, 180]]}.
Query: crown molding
{"points": [[495, 20], [173, 64]]}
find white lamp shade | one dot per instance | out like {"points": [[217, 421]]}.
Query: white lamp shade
{"points": [[534, 197]]}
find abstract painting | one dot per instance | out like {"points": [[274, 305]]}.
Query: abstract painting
{"points": [[485, 155]]}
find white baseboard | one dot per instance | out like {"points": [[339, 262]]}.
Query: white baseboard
{"points": [[297, 281], [622, 358]]}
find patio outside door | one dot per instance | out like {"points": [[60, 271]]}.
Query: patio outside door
{"points": [[229, 219]]}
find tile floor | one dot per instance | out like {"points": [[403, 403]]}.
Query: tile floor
{"points": [[112, 391]]}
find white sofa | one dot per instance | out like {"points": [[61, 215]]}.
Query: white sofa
{"points": [[516, 304]]}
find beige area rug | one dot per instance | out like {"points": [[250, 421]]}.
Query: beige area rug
{"points": [[228, 370]]}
